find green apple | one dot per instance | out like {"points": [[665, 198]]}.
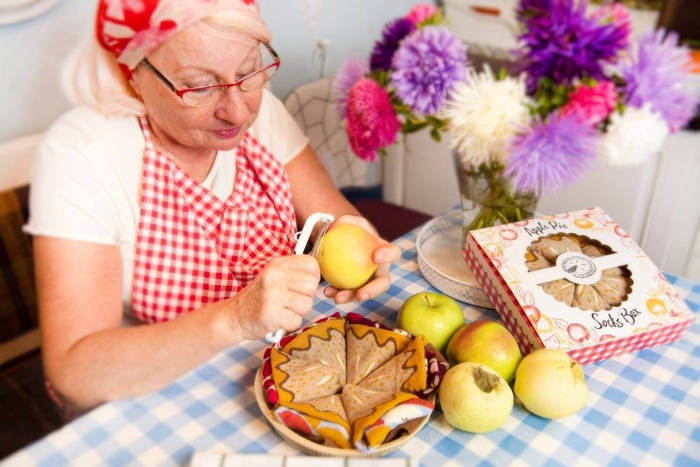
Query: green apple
{"points": [[345, 256], [475, 398], [550, 384], [487, 342], [434, 315]]}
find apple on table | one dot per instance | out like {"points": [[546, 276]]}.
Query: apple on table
{"points": [[551, 384], [488, 342], [475, 398], [434, 315]]}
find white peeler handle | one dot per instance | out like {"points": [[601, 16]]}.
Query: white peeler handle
{"points": [[302, 240]]}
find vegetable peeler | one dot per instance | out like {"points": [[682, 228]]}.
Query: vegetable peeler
{"points": [[302, 238]]}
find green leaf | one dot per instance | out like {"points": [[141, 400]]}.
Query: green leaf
{"points": [[381, 77], [412, 127], [436, 20], [435, 134]]}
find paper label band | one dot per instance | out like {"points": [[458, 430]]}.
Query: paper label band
{"points": [[577, 268]]}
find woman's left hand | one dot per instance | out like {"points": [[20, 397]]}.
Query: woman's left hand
{"points": [[383, 255]]}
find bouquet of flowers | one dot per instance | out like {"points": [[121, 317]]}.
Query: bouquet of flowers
{"points": [[585, 90], [412, 70]]}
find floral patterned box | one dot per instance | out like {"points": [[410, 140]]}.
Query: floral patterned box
{"points": [[575, 282]]}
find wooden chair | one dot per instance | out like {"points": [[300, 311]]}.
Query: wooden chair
{"points": [[313, 106], [19, 332]]}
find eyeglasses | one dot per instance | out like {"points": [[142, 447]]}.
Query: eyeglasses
{"points": [[206, 95]]}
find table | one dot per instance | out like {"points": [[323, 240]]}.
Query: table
{"points": [[644, 408]]}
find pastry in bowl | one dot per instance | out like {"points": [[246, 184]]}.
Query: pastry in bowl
{"points": [[351, 383]]}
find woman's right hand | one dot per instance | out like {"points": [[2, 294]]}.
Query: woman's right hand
{"points": [[279, 296]]}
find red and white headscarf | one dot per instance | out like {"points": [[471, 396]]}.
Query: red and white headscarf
{"points": [[132, 29]]}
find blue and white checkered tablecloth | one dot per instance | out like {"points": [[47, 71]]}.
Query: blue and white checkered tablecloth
{"points": [[644, 408]]}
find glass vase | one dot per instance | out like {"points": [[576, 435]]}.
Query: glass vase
{"points": [[488, 197]]}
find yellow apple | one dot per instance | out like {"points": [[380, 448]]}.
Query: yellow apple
{"points": [[345, 256], [550, 384], [475, 398], [487, 342]]}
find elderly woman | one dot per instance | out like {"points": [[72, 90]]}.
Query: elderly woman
{"points": [[170, 197]]}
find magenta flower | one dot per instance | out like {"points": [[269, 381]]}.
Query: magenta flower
{"points": [[427, 66], [372, 123], [551, 154], [591, 104], [618, 15], [421, 12], [657, 73], [351, 71]]}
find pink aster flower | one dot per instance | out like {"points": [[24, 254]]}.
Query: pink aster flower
{"points": [[421, 12], [349, 73], [372, 123], [618, 14], [591, 104]]}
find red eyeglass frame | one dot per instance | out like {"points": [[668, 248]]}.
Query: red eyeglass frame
{"points": [[181, 92]]}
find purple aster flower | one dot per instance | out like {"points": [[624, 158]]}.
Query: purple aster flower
{"points": [[527, 9], [427, 66], [551, 154], [350, 72], [384, 49], [656, 73], [562, 43]]}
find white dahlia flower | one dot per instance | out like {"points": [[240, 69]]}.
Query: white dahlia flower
{"points": [[633, 136], [484, 114]]}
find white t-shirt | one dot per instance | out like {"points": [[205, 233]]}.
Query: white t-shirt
{"points": [[86, 178]]}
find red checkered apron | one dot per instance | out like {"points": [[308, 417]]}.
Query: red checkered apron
{"points": [[194, 248]]}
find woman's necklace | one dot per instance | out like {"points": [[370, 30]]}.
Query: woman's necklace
{"points": [[167, 151]]}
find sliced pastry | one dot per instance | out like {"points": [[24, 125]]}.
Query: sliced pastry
{"points": [[368, 348], [405, 372], [613, 288], [562, 290], [300, 380], [535, 261], [586, 298], [324, 343], [551, 247], [359, 402]]}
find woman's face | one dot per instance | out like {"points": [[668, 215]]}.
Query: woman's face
{"points": [[194, 58]]}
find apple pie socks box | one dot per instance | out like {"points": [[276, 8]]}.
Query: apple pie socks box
{"points": [[575, 282]]}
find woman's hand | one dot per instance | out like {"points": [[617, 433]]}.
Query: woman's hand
{"points": [[278, 298], [383, 255]]}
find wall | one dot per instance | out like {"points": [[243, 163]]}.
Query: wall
{"points": [[31, 53]]}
